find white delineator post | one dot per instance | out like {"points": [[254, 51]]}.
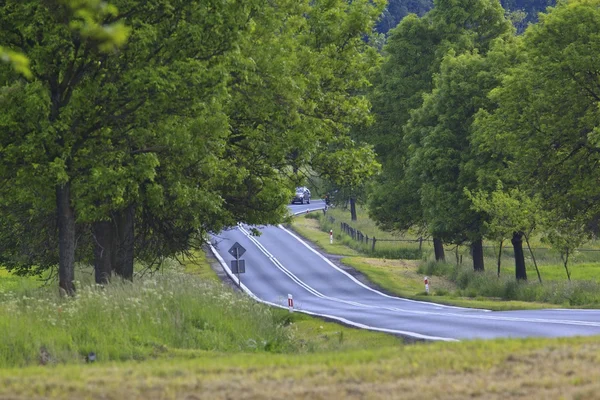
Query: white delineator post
{"points": [[290, 303], [331, 236], [426, 280]]}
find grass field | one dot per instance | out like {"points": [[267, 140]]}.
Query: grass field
{"points": [[499, 369]]}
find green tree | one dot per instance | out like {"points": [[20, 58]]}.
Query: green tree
{"points": [[512, 214], [415, 50], [546, 116], [443, 159], [182, 131], [96, 113]]}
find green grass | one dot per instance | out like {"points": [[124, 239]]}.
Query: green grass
{"points": [[577, 293], [308, 226], [15, 283], [162, 314], [134, 321], [197, 265]]}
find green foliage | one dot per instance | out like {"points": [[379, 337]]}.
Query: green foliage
{"points": [[509, 210], [544, 121], [192, 124], [19, 62], [422, 138], [442, 158], [88, 18]]}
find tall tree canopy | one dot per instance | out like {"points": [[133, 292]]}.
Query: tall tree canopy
{"points": [[185, 129], [415, 50], [545, 123]]}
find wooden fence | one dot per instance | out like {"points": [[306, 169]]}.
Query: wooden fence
{"points": [[362, 238], [372, 241]]}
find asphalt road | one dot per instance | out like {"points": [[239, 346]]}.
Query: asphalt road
{"points": [[279, 263]]}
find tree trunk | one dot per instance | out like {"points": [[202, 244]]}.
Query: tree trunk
{"points": [[353, 209], [438, 249], [66, 240], [500, 257], [565, 258], [123, 242], [103, 249], [517, 242], [477, 252], [533, 258]]}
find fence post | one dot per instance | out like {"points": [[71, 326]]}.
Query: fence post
{"points": [[373, 245], [420, 243]]}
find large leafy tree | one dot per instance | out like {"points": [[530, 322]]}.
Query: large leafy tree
{"points": [[445, 157], [546, 120], [184, 130], [414, 54], [94, 145]]}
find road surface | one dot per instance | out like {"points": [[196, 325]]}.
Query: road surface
{"points": [[279, 263]]}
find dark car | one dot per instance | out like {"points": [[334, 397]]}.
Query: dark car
{"points": [[302, 195]]}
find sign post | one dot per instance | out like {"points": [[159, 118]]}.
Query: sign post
{"points": [[331, 236], [426, 281], [238, 266]]}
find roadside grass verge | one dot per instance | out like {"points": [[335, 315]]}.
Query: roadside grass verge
{"points": [[458, 284], [577, 293], [134, 321], [495, 369], [308, 226]]}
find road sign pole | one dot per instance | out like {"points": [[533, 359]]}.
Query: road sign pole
{"points": [[237, 258], [238, 266]]}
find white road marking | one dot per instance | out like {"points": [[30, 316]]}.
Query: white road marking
{"points": [[365, 286], [486, 316], [334, 317]]}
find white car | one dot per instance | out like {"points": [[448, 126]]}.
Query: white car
{"points": [[302, 195]]}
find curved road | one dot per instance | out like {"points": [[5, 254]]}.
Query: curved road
{"points": [[279, 263]]}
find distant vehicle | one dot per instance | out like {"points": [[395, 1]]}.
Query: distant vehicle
{"points": [[302, 195]]}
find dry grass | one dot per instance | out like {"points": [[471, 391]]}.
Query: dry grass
{"points": [[518, 369]]}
